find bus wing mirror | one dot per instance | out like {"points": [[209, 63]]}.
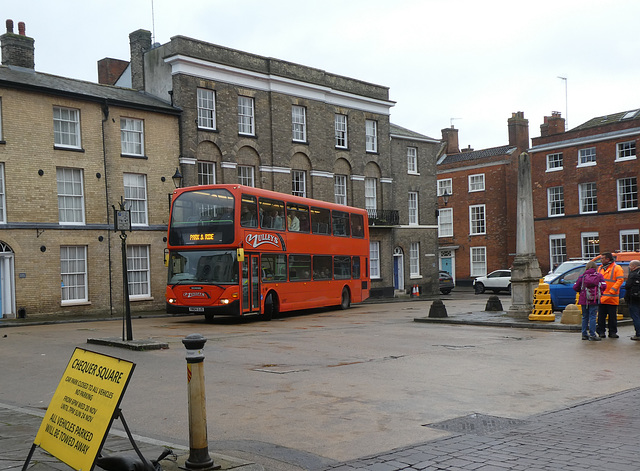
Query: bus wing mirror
{"points": [[240, 254]]}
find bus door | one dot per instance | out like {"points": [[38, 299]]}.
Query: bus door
{"points": [[250, 284]]}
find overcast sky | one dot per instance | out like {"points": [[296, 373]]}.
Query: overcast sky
{"points": [[469, 63]]}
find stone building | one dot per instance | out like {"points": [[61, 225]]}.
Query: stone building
{"points": [[585, 187], [286, 127], [69, 151], [477, 192]]}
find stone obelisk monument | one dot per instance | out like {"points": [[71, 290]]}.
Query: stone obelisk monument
{"points": [[525, 273]]}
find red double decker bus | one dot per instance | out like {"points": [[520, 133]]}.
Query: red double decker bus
{"points": [[238, 250]]}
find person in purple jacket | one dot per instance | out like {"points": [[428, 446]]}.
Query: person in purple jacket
{"points": [[590, 285]]}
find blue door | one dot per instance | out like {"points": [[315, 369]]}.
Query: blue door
{"points": [[396, 281], [445, 265]]}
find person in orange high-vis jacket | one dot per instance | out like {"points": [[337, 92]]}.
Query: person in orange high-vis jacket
{"points": [[610, 298]]}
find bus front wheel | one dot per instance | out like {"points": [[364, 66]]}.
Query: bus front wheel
{"points": [[270, 307], [345, 303]]}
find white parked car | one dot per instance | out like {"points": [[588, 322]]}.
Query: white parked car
{"points": [[496, 281], [563, 268]]}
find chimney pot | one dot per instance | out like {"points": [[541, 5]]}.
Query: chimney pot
{"points": [[9, 26], [21, 28]]}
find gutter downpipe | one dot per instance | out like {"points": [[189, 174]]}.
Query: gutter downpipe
{"points": [[105, 113]]}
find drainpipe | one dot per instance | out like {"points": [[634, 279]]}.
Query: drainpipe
{"points": [[105, 113]]}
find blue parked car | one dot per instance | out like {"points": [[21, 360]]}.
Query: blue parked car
{"points": [[561, 287]]}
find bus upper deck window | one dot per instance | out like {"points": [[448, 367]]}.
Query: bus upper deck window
{"points": [[248, 211]]}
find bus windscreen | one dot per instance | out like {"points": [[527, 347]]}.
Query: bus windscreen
{"points": [[202, 217]]}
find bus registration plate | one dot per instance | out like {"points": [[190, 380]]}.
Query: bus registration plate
{"points": [[196, 309]]}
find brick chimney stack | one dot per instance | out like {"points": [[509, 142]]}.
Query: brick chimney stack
{"points": [[553, 124], [139, 43], [518, 131], [110, 70], [450, 136], [17, 49]]}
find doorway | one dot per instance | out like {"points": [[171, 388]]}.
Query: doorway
{"points": [[251, 284], [7, 284], [398, 269]]}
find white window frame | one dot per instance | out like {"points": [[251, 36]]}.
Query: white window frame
{"points": [[446, 184], [370, 193], [299, 183], [341, 131], [138, 272], [3, 197], [371, 136], [135, 197], [412, 161], [413, 208], [630, 246], [340, 189], [414, 260], [590, 244], [299, 123], [66, 127], [588, 195], [557, 249], [246, 175], [70, 195], [625, 151], [206, 109], [555, 162], [476, 182], [477, 219], [478, 261], [374, 259], [73, 273], [206, 173], [132, 136], [587, 157], [555, 201], [445, 222], [627, 203], [246, 115]]}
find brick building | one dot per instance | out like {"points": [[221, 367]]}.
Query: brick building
{"points": [[69, 151], [477, 217], [585, 187], [286, 127]]}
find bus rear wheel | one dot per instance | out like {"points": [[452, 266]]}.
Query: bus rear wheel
{"points": [[345, 302], [270, 307]]}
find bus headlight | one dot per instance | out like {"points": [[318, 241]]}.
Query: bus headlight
{"points": [[171, 300], [224, 301]]}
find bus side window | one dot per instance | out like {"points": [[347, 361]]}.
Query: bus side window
{"points": [[355, 268], [357, 225], [322, 267], [340, 223], [248, 211], [320, 220], [271, 214], [299, 267], [341, 267], [297, 218]]}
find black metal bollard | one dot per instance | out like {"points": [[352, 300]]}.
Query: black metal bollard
{"points": [[437, 309], [493, 304], [198, 446]]}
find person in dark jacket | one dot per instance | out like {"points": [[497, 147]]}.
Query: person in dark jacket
{"points": [[590, 285], [632, 295]]}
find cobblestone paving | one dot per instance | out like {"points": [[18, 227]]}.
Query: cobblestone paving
{"points": [[602, 435]]}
